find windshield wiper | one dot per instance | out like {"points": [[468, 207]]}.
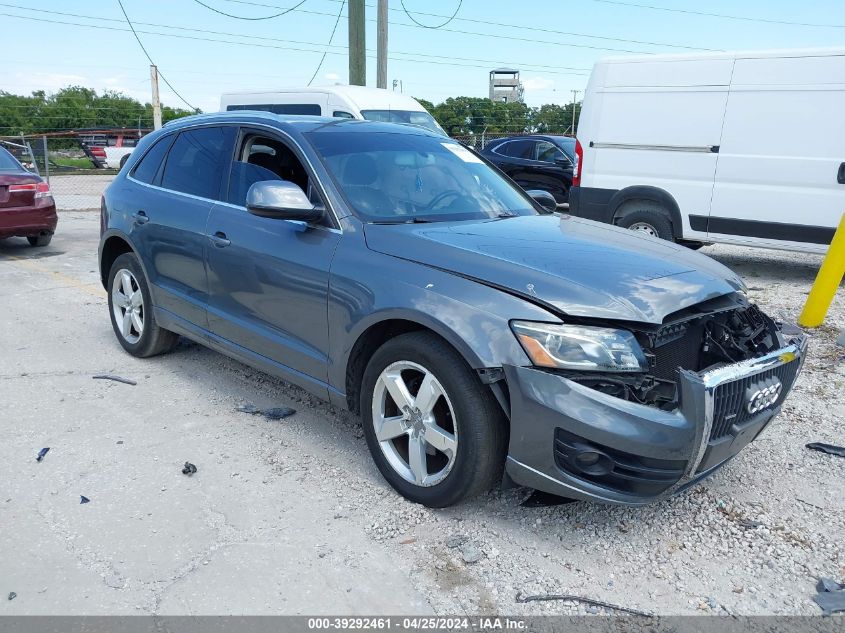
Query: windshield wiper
{"points": [[413, 220], [507, 214]]}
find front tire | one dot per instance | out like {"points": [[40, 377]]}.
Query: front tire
{"points": [[434, 430], [132, 313]]}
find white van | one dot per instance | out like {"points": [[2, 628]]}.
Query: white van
{"points": [[740, 148], [350, 102]]}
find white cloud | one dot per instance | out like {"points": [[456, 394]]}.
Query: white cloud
{"points": [[538, 83]]}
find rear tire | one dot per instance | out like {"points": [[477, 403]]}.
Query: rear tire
{"points": [[40, 240], [129, 294], [123, 160], [463, 412], [647, 217]]}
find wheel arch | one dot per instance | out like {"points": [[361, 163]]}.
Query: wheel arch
{"points": [[652, 194], [386, 326], [112, 245]]}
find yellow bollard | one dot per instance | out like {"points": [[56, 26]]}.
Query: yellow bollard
{"points": [[827, 281]]}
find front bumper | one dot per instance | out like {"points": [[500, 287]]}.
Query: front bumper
{"points": [[648, 453]]}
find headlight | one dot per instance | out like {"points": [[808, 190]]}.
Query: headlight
{"points": [[580, 347]]}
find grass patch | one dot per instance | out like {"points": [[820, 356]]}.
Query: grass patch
{"points": [[77, 163]]}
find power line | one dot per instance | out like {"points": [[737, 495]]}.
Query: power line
{"points": [[547, 69], [141, 44], [721, 15], [331, 37], [501, 24], [240, 17], [426, 26]]}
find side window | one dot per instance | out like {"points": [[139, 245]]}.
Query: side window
{"points": [[197, 161], [279, 108], [340, 114], [262, 158], [549, 152], [147, 169], [517, 149]]}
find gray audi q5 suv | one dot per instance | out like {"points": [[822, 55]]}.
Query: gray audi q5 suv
{"points": [[396, 273]]}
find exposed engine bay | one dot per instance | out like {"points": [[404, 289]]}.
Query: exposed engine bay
{"points": [[699, 341]]}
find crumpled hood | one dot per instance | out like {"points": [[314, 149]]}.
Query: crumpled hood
{"points": [[579, 267]]}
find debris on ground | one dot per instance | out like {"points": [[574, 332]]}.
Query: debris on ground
{"points": [[830, 449], [540, 499], [42, 453], [12, 595], [840, 340], [749, 524], [589, 601], [125, 381], [84, 499], [274, 413], [189, 469], [455, 540], [470, 553], [830, 596]]}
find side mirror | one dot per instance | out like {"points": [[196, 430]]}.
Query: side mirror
{"points": [[544, 199], [282, 200]]}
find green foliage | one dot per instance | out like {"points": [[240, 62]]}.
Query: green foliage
{"points": [[75, 108], [464, 116]]}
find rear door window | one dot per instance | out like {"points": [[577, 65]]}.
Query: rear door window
{"points": [[280, 108], [148, 168], [517, 149], [198, 160], [549, 152]]}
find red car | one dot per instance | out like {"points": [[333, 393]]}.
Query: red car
{"points": [[27, 208]]}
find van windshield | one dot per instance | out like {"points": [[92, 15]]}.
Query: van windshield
{"points": [[413, 117], [401, 178]]}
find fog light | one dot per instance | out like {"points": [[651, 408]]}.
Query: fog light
{"points": [[593, 463]]}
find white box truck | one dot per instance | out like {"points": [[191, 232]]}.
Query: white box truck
{"points": [[348, 102], [743, 148]]}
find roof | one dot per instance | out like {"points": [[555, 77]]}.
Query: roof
{"points": [[759, 54], [364, 97]]}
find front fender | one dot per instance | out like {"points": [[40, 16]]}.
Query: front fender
{"points": [[472, 317]]}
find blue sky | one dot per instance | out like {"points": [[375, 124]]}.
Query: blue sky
{"points": [[553, 42]]}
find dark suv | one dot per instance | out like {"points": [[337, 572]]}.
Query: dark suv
{"points": [[397, 274], [536, 162]]}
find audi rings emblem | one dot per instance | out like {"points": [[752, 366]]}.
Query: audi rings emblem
{"points": [[762, 395]]}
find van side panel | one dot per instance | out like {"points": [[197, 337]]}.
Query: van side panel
{"points": [[782, 147], [657, 124]]}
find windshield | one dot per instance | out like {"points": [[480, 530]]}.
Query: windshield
{"points": [[422, 119], [414, 178]]}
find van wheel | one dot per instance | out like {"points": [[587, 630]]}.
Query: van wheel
{"points": [[434, 430], [646, 217]]}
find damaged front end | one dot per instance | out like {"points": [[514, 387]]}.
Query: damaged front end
{"points": [[708, 381]]}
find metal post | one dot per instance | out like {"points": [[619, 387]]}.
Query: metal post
{"points": [[357, 44], [381, 54], [156, 102], [574, 107], [827, 281], [46, 160]]}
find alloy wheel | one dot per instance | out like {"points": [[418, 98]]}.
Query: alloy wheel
{"points": [[415, 423], [128, 306]]}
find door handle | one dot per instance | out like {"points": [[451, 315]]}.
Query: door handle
{"points": [[840, 177], [219, 239], [140, 217]]}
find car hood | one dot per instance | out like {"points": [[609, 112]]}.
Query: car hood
{"points": [[578, 267]]}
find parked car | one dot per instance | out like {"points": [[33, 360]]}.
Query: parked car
{"points": [[109, 151], [399, 275], [27, 208], [693, 147], [535, 162], [346, 102]]}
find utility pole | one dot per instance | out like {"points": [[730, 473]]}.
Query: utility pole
{"points": [[574, 106], [156, 102], [381, 53], [357, 44]]}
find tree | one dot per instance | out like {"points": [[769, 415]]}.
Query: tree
{"points": [[75, 108]]}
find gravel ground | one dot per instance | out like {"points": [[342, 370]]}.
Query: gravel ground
{"points": [[753, 539]]}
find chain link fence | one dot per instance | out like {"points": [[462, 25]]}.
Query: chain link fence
{"points": [[77, 165]]}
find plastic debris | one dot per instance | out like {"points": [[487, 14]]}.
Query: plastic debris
{"points": [[84, 499], [830, 449], [540, 499], [581, 599], [189, 469], [42, 453], [125, 381], [749, 524], [830, 596], [275, 413], [12, 595]]}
